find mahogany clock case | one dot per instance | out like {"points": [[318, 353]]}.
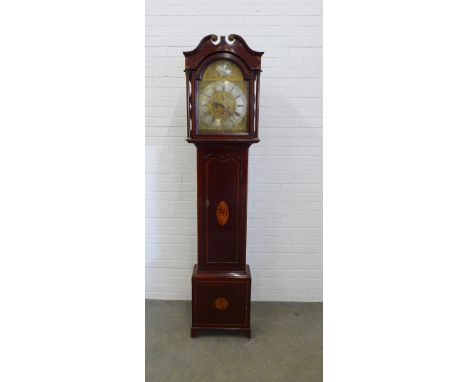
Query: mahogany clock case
{"points": [[221, 280]]}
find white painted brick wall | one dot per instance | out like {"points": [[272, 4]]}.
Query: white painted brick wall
{"points": [[284, 238]]}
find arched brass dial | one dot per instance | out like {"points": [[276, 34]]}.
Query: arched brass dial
{"points": [[223, 97]]}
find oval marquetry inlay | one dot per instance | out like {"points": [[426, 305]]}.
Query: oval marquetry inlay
{"points": [[222, 213], [221, 303]]}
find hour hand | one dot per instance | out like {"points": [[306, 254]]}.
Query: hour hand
{"points": [[216, 103], [224, 107]]}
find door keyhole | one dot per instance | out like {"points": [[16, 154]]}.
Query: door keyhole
{"points": [[207, 203]]}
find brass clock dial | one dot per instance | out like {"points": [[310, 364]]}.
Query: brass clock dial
{"points": [[223, 97], [222, 105]]}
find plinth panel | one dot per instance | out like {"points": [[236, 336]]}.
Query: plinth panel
{"points": [[221, 300], [221, 303]]}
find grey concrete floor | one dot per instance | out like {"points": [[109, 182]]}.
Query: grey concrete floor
{"points": [[286, 345]]}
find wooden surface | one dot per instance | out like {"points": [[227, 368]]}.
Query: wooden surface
{"points": [[236, 45], [222, 176], [221, 300]]}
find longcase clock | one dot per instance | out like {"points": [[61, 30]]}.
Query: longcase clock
{"points": [[223, 83]]}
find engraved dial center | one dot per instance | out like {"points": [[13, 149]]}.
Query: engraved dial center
{"points": [[222, 105]]}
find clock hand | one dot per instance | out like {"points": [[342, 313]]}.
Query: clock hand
{"points": [[229, 111], [216, 103], [224, 107]]}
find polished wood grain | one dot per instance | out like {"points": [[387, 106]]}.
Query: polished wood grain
{"points": [[209, 289], [222, 176], [221, 280], [234, 44]]}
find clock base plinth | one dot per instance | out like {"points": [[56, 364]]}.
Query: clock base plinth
{"points": [[194, 331], [221, 301]]}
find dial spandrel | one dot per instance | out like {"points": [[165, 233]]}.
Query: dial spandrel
{"points": [[222, 100]]}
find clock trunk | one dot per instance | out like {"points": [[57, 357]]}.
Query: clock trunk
{"points": [[222, 206]]}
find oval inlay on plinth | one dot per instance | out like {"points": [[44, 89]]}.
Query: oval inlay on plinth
{"points": [[221, 303], [222, 213]]}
